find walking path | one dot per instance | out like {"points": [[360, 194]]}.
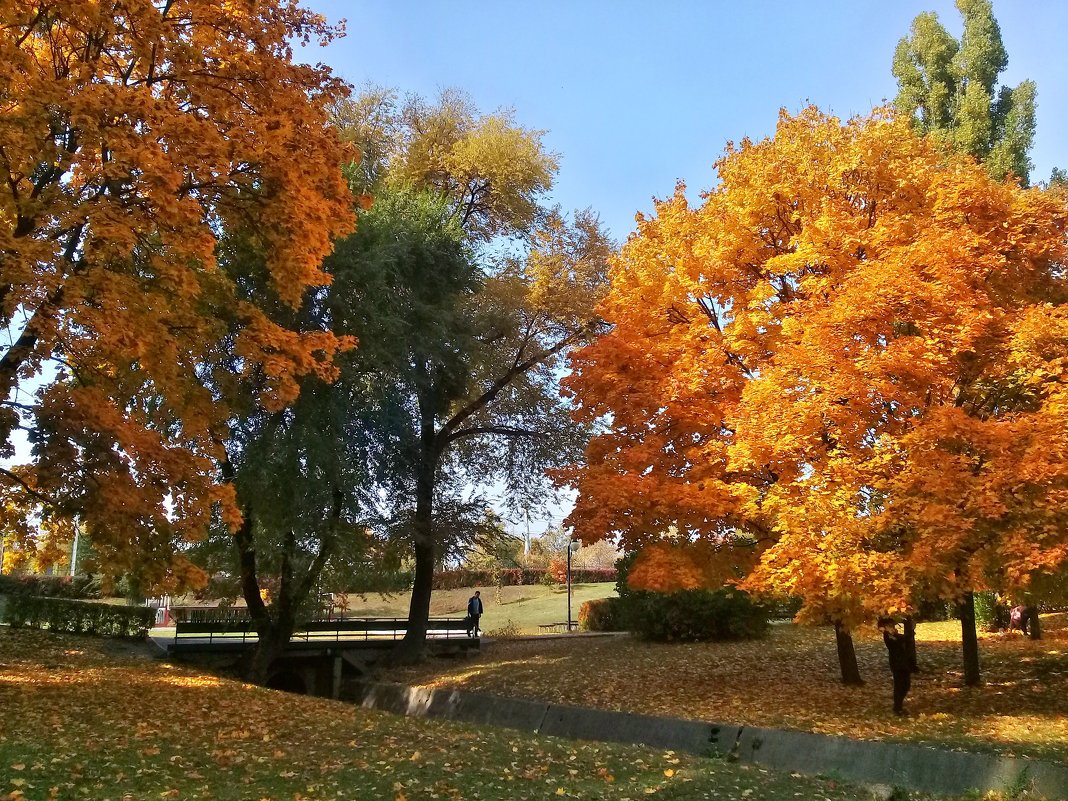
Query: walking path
{"points": [[872, 762]]}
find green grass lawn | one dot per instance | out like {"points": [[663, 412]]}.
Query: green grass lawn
{"points": [[82, 718], [525, 608]]}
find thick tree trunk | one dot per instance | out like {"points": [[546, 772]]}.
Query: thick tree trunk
{"points": [[847, 656], [269, 645], [1034, 630], [413, 647], [910, 644], [969, 640], [274, 625], [274, 635]]}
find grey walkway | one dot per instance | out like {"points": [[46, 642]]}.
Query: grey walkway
{"points": [[913, 767]]}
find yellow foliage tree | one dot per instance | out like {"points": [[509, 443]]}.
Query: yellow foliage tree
{"points": [[131, 134], [850, 356]]}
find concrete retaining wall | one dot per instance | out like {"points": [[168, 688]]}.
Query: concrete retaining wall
{"points": [[867, 762]]}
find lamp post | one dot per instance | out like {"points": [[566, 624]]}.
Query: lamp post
{"points": [[572, 546]]}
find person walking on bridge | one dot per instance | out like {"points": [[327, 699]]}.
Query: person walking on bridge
{"points": [[474, 612]]}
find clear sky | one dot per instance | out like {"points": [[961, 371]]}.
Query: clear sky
{"points": [[636, 95]]}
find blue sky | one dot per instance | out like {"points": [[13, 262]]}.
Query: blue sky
{"points": [[635, 95]]}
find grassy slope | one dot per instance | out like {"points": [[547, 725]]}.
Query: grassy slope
{"points": [[83, 719], [791, 680], [527, 607]]}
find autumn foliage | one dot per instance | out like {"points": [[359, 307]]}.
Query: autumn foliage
{"points": [[848, 361], [133, 134]]}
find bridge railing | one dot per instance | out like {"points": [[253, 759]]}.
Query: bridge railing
{"points": [[325, 630]]}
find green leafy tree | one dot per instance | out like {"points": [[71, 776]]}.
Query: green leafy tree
{"points": [[949, 88], [464, 292], [459, 360], [470, 347], [298, 472]]}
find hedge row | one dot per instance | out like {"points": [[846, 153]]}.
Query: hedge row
{"points": [[50, 586], [514, 577], [686, 616], [78, 617], [602, 614]]}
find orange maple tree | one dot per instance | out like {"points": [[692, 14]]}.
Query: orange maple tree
{"points": [[132, 134], [849, 360]]}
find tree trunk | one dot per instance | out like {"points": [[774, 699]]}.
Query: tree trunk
{"points": [[847, 656], [274, 625], [910, 644], [22, 348], [274, 635], [413, 647], [1034, 630], [969, 640]]}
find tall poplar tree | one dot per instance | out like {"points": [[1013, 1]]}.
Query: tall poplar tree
{"points": [[950, 90]]}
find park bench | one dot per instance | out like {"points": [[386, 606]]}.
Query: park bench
{"points": [[561, 626]]}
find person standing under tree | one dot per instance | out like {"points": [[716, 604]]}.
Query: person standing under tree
{"points": [[900, 664], [474, 612]]}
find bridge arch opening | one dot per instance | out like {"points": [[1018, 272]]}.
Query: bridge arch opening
{"points": [[288, 681]]}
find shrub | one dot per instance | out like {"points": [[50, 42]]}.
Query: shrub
{"points": [[78, 617], [558, 571], [932, 610], [51, 586], [695, 615], [514, 577], [990, 613], [509, 629], [624, 564], [385, 581], [601, 614]]}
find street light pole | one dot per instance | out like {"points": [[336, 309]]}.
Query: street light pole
{"points": [[572, 546]]}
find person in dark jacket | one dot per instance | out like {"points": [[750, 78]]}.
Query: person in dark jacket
{"points": [[474, 612], [900, 667]]}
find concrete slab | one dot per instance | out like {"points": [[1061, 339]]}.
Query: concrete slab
{"points": [[624, 727], [916, 767], [511, 713], [866, 762]]}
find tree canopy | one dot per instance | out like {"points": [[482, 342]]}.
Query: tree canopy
{"points": [[949, 89], [132, 135], [848, 361], [464, 291]]}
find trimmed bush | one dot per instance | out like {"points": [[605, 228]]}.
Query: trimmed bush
{"points": [[602, 614], [512, 577], [51, 586], [695, 615], [78, 617]]}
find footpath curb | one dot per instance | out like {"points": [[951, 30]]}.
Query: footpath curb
{"points": [[914, 767]]}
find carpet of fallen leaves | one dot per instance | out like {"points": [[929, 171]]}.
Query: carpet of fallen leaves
{"points": [[791, 680], [89, 719]]}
